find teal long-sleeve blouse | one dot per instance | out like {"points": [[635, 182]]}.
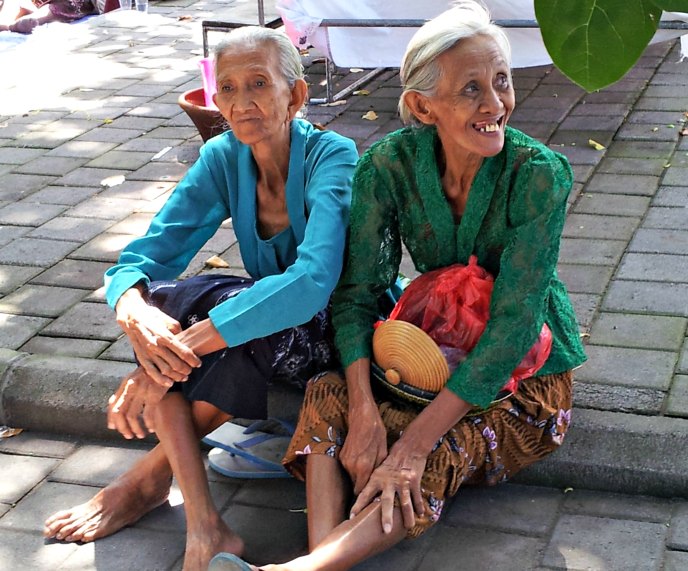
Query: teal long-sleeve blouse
{"points": [[512, 222], [296, 271]]}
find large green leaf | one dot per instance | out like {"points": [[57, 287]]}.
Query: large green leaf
{"points": [[595, 42], [672, 5]]}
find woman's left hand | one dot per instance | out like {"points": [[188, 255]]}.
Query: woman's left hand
{"points": [[202, 338], [399, 475]]}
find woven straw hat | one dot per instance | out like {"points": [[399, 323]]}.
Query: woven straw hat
{"points": [[413, 364]]}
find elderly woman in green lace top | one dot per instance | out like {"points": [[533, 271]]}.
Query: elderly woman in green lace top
{"points": [[457, 182]]}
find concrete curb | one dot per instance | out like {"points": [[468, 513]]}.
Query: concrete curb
{"points": [[609, 451]]}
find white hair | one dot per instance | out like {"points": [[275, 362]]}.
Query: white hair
{"points": [[257, 36], [420, 71]]}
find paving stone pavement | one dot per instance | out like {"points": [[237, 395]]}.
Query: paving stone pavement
{"points": [[106, 105]]}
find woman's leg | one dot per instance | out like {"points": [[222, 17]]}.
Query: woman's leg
{"points": [[206, 533], [327, 494], [132, 495]]}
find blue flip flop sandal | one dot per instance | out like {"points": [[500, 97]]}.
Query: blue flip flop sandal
{"points": [[228, 562], [263, 448], [234, 466]]}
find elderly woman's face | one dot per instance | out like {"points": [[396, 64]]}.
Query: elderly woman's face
{"points": [[252, 93], [474, 97]]}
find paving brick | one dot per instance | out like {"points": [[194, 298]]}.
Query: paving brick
{"points": [[87, 348], [16, 330], [9, 233], [611, 204], [633, 400], [74, 274], [591, 251], [548, 102], [623, 184], [618, 506], [42, 301], [677, 403], [284, 494], [669, 79], [642, 331], [22, 550], [103, 248], [585, 278], [86, 176], [19, 474], [640, 150], [66, 228], [35, 252], [628, 367], [539, 131], [18, 155], [481, 549], [660, 241], [85, 321], [145, 89], [18, 186], [149, 144], [682, 366], [151, 109], [579, 155], [619, 165], [667, 92], [676, 176], [56, 166], [605, 96], [85, 149], [580, 138], [67, 195], [138, 189], [656, 117], [128, 549], [142, 123], [655, 267], [104, 113], [605, 227], [646, 132], [600, 109], [120, 350], [125, 160], [257, 525], [173, 133], [647, 297], [583, 542], [509, 508], [26, 214], [678, 536], [592, 123], [675, 561], [585, 305], [105, 208], [659, 104], [30, 443], [96, 465], [11, 277], [671, 218], [160, 171], [110, 135]]}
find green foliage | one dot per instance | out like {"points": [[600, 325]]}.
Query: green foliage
{"points": [[595, 42]]}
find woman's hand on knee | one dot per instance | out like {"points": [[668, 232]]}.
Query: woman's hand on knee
{"points": [[365, 446], [398, 478]]}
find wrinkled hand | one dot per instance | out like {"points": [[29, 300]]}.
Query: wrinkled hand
{"points": [[152, 334], [365, 446], [399, 475], [136, 396]]}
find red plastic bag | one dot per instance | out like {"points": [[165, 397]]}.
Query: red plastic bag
{"points": [[452, 305]]}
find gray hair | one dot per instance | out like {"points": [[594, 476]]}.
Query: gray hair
{"points": [[420, 71], [255, 37]]}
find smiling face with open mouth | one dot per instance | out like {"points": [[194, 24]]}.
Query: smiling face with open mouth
{"points": [[474, 97]]}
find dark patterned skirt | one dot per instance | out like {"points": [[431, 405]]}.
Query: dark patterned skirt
{"points": [[236, 379], [486, 448]]}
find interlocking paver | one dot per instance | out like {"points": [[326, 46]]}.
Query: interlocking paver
{"points": [[15, 330], [138, 189], [676, 176], [38, 444], [85, 321], [12, 277], [71, 228], [126, 160], [93, 465], [611, 204], [585, 305], [120, 350], [624, 184], [600, 226], [80, 274], [678, 537], [633, 400], [67, 195], [640, 150], [583, 542], [620, 165], [655, 267], [56, 166], [35, 252], [676, 561], [18, 186], [19, 474], [641, 331], [585, 278], [646, 132], [9, 233], [22, 550], [86, 176], [659, 241], [628, 367], [647, 297], [85, 149], [682, 366], [26, 213], [87, 348], [677, 403], [103, 248], [590, 251], [105, 207], [159, 171], [18, 155], [42, 301]]}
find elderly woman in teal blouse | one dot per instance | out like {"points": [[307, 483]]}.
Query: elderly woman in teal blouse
{"points": [[459, 182], [207, 346]]}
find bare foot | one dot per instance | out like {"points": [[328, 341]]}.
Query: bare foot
{"points": [[202, 546], [118, 505]]}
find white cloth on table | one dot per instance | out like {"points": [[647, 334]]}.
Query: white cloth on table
{"points": [[384, 47]]}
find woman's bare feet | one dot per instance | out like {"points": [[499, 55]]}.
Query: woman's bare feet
{"points": [[204, 544], [118, 505]]}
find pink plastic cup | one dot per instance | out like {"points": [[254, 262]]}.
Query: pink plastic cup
{"points": [[209, 86]]}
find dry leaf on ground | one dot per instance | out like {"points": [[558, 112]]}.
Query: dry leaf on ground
{"points": [[6, 431], [334, 103], [361, 92], [112, 180], [216, 262], [370, 116], [595, 145]]}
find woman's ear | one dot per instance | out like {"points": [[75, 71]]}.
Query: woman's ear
{"points": [[298, 97], [420, 106]]}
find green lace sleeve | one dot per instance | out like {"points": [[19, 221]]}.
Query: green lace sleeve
{"points": [[536, 214], [371, 262]]}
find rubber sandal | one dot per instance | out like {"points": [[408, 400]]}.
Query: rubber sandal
{"points": [[263, 448], [234, 466], [228, 562]]}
